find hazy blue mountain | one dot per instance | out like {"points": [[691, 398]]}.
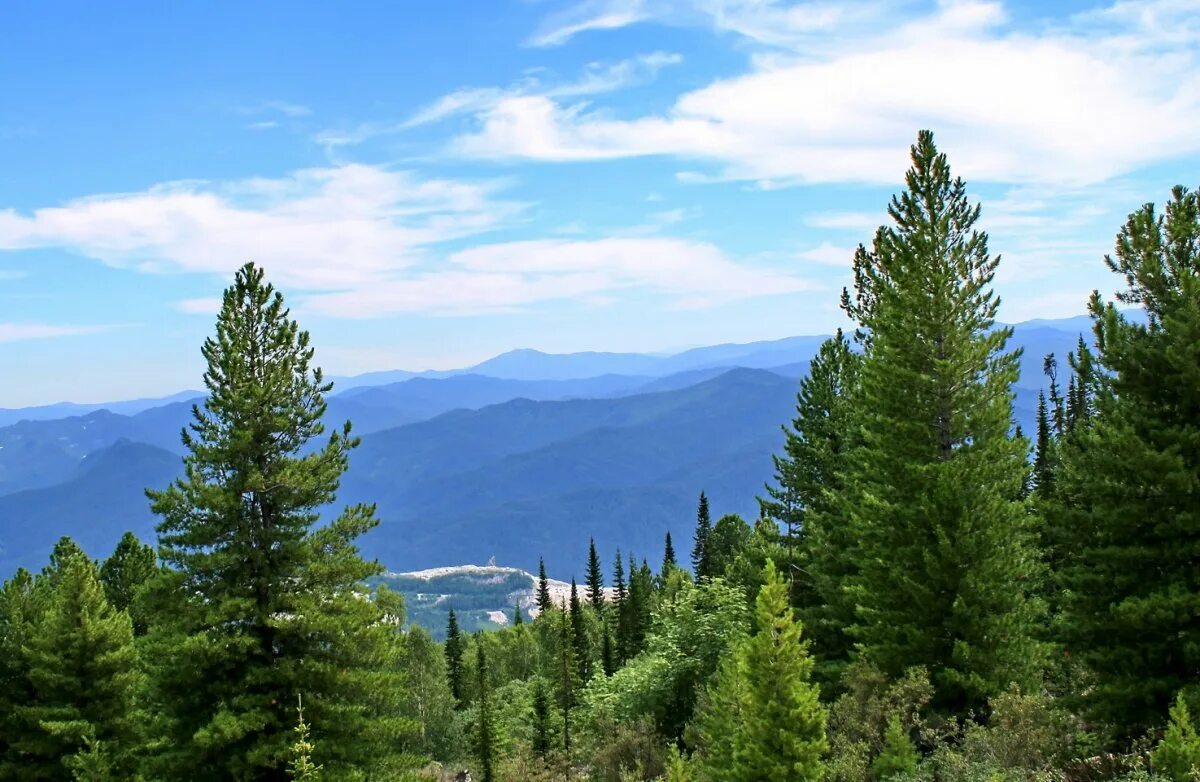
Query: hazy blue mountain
{"points": [[103, 497], [467, 466], [67, 409]]}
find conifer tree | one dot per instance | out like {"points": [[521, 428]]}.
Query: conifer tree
{"points": [[1177, 756], [579, 637], [455, 646], [620, 610], [1043, 466], [809, 479], [945, 556], [595, 578], [567, 673], [485, 728], [257, 601], [300, 765], [700, 564], [668, 557], [764, 719], [20, 607], [541, 720], [84, 675], [1127, 509], [899, 757], [132, 564], [518, 619], [544, 601], [608, 652]]}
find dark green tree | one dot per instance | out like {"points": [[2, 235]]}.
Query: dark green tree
{"points": [[518, 619], [619, 610], [1043, 451], [256, 601], [485, 727], [21, 604], [544, 602], [595, 578], [700, 564], [946, 562], [131, 565], [668, 562], [728, 537], [454, 648], [541, 719], [579, 636], [1127, 509], [567, 674], [83, 669]]}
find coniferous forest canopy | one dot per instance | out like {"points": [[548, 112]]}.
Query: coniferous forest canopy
{"points": [[929, 592]]}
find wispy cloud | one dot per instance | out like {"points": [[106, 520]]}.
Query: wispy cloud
{"points": [[21, 332], [1009, 105], [316, 228], [596, 78]]}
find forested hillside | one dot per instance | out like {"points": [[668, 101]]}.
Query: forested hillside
{"points": [[925, 591]]}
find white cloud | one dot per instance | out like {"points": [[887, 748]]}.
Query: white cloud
{"points": [[20, 332], [511, 276], [1076, 105], [316, 228], [596, 78], [828, 254], [207, 306]]}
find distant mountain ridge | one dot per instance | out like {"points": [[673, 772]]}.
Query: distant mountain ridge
{"points": [[464, 466]]}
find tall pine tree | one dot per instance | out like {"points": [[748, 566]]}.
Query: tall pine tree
{"points": [[256, 602], [700, 561], [945, 559], [595, 578], [669, 561], [485, 725], [454, 648], [1128, 509], [544, 602]]}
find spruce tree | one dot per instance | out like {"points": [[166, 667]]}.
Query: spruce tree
{"points": [[567, 671], [256, 601], [1127, 509], [541, 720], [485, 728], [608, 651], [668, 562], [1043, 456], [455, 646], [544, 601], [131, 565], [595, 578], [809, 479], [620, 611], [579, 637], [518, 619], [20, 607], [945, 556], [83, 671], [763, 718], [700, 564]]}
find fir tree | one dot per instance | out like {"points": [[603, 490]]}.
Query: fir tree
{"points": [[485, 728], [700, 564], [620, 611], [899, 757], [1177, 756], [256, 602], [544, 601], [518, 619], [1127, 511], [541, 720], [20, 607], [455, 646], [809, 479], [579, 637], [1043, 464], [764, 718], [595, 578], [668, 563], [567, 673], [945, 555], [82, 666], [132, 564], [608, 652]]}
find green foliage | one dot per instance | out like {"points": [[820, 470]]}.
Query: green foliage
{"points": [[544, 602], [300, 765], [1177, 756], [764, 719], [700, 560], [860, 717], [945, 561], [485, 735], [1127, 510], [595, 578], [454, 659], [541, 720], [677, 766], [579, 637], [256, 602], [21, 603], [83, 678], [669, 563], [428, 700], [729, 536], [130, 566], [899, 756]]}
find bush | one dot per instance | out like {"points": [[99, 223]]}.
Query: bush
{"points": [[1177, 756], [899, 756]]}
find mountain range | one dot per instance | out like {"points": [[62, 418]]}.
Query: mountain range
{"points": [[525, 455]]}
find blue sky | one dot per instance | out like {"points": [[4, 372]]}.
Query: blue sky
{"points": [[432, 183]]}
